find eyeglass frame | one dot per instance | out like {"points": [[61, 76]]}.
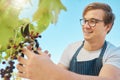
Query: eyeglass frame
{"points": [[85, 21]]}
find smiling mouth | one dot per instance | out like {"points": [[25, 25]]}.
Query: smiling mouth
{"points": [[86, 32]]}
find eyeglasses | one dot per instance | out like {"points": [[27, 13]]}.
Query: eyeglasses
{"points": [[91, 22]]}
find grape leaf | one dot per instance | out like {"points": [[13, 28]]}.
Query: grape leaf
{"points": [[9, 21], [47, 13], [11, 39]]}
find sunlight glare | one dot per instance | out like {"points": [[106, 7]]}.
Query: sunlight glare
{"points": [[19, 4]]}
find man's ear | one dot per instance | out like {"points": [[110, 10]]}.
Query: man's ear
{"points": [[108, 27]]}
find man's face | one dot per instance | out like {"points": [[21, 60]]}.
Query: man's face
{"points": [[99, 31]]}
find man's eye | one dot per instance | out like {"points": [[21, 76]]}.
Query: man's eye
{"points": [[85, 21], [92, 21]]}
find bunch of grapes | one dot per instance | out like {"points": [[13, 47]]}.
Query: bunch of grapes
{"points": [[15, 49]]}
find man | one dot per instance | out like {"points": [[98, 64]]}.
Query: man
{"points": [[89, 56], [92, 59]]}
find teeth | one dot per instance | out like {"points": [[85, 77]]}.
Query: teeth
{"points": [[88, 32]]}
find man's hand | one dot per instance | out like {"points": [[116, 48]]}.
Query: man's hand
{"points": [[34, 65]]}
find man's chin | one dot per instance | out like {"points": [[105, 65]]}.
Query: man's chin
{"points": [[87, 39]]}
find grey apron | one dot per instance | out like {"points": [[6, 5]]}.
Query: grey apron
{"points": [[91, 67]]}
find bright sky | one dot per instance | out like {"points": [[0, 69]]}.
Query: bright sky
{"points": [[68, 29]]}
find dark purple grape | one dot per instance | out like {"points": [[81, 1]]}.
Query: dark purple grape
{"points": [[11, 40], [3, 62], [22, 54], [20, 51], [36, 52], [39, 36], [11, 62], [37, 44], [16, 48], [21, 45], [8, 47]]}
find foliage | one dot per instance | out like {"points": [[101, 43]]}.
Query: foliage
{"points": [[14, 32], [47, 12], [9, 21]]}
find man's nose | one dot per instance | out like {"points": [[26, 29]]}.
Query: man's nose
{"points": [[86, 25]]}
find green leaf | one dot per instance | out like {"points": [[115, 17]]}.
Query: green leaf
{"points": [[47, 13], [9, 21]]}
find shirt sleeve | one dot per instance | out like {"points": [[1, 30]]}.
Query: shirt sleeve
{"points": [[64, 60], [114, 58]]}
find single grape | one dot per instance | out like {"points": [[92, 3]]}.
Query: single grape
{"points": [[3, 62]]}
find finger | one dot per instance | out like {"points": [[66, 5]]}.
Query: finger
{"points": [[23, 75], [49, 55], [22, 60], [29, 47], [21, 71], [46, 51], [27, 52], [39, 50], [20, 68]]}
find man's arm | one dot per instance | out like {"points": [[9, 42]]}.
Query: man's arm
{"points": [[108, 72], [40, 67], [62, 66]]}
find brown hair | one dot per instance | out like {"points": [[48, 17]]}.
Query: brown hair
{"points": [[108, 17]]}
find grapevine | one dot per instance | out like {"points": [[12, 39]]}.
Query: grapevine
{"points": [[15, 38], [14, 49]]}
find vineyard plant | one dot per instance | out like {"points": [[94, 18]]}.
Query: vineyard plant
{"points": [[16, 33]]}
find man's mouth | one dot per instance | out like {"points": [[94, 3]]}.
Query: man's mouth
{"points": [[88, 32]]}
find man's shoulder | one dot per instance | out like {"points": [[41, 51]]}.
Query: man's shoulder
{"points": [[110, 49], [76, 43], [110, 46]]}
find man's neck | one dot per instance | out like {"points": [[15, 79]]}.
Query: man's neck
{"points": [[93, 45]]}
